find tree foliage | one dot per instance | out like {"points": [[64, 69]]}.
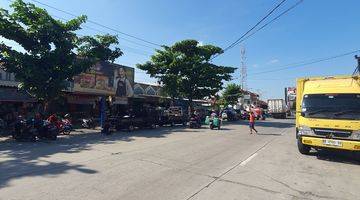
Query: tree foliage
{"points": [[52, 52], [231, 94], [185, 70], [99, 47]]}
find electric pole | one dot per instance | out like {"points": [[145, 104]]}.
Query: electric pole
{"points": [[357, 70], [243, 72]]}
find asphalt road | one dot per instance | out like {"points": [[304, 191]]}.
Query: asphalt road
{"points": [[177, 163]]}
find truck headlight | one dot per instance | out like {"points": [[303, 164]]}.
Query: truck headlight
{"points": [[355, 135], [305, 130]]}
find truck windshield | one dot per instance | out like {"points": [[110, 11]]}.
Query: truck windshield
{"points": [[333, 106]]}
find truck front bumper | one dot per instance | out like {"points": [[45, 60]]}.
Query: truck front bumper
{"points": [[331, 143]]}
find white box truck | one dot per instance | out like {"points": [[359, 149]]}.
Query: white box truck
{"points": [[277, 108]]}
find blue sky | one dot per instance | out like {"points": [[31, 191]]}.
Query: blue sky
{"points": [[314, 29]]}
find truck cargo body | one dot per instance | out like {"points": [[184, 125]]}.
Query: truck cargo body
{"points": [[277, 108], [328, 113]]}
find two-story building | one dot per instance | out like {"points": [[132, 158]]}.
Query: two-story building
{"points": [[12, 101]]}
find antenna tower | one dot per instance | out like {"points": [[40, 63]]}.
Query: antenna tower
{"points": [[243, 71]]}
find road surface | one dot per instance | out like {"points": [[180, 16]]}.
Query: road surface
{"points": [[177, 163]]}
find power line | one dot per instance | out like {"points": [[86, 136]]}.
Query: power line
{"points": [[271, 21], [357, 69], [252, 28], [120, 45], [98, 24], [303, 63], [137, 51]]}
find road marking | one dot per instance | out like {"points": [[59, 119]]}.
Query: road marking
{"points": [[243, 163]]}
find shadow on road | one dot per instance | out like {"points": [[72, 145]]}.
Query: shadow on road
{"points": [[337, 156], [26, 159], [285, 123]]}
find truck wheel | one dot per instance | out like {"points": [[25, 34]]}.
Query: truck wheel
{"points": [[303, 149]]}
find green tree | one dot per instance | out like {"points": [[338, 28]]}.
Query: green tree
{"points": [[52, 52], [231, 94], [185, 70]]}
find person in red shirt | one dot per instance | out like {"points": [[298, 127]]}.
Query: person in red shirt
{"points": [[252, 122]]}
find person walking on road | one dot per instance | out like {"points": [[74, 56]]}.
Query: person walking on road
{"points": [[252, 122]]}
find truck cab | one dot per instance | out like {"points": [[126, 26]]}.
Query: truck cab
{"points": [[328, 113]]}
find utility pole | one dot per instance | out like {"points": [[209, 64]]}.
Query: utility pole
{"points": [[243, 72], [357, 70]]}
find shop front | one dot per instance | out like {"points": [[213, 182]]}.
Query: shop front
{"points": [[14, 102]]}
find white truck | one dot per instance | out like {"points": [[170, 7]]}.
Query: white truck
{"points": [[277, 108]]}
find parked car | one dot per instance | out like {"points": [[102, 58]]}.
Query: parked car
{"points": [[146, 119], [229, 114], [174, 115]]}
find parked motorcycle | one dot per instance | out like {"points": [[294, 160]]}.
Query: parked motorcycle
{"points": [[30, 130], [24, 131], [65, 126], [48, 131], [195, 122], [88, 123], [244, 115]]}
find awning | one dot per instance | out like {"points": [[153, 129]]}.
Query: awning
{"points": [[8, 94]]}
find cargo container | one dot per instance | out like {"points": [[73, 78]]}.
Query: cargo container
{"points": [[277, 108]]}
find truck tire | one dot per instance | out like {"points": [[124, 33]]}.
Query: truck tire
{"points": [[303, 149]]}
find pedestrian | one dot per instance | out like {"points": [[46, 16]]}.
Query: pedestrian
{"points": [[252, 122]]}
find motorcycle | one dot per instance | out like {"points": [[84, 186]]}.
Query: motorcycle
{"points": [[244, 115], [88, 123], [195, 122], [24, 131], [213, 122], [65, 126], [30, 130], [48, 131]]}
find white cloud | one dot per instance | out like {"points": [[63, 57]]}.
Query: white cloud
{"points": [[201, 43], [273, 61], [255, 65]]}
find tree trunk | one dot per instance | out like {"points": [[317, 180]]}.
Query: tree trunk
{"points": [[190, 108]]}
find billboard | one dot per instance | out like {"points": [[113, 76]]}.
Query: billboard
{"points": [[290, 97], [123, 81], [106, 79], [291, 93]]}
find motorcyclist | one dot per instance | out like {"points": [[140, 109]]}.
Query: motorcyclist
{"points": [[196, 116], [213, 114]]}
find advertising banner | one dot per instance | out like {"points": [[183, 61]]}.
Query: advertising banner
{"points": [[106, 79], [123, 81]]}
